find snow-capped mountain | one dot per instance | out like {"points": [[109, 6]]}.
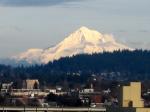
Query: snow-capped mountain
{"points": [[83, 40]]}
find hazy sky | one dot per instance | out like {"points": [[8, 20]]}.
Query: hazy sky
{"points": [[42, 23]]}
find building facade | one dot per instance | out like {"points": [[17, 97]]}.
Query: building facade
{"points": [[31, 84], [130, 99], [131, 95]]}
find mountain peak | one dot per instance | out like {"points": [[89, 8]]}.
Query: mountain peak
{"points": [[82, 41], [84, 33], [83, 28]]}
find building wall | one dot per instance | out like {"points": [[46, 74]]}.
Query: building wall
{"points": [[131, 95], [136, 94], [126, 96], [88, 90], [29, 93], [31, 83], [142, 109], [96, 98]]}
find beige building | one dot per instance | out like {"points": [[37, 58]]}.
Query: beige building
{"points": [[130, 99], [131, 95], [31, 84]]}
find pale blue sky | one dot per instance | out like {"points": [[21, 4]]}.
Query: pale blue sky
{"points": [[42, 23]]}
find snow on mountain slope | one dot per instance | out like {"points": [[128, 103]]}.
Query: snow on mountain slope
{"points": [[81, 41]]}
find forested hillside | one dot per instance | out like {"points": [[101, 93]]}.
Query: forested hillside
{"points": [[129, 65]]}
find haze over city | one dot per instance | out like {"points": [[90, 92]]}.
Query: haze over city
{"points": [[43, 23]]}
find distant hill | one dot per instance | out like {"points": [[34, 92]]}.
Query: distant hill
{"points": [[129, 65]]}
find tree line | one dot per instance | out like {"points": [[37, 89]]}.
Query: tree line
{"points": [[133, 65]]}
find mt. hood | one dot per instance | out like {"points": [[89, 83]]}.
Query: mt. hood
{"points": [[83, 40]]}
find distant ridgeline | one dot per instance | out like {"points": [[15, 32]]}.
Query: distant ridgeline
{"points": [[123, 65]]}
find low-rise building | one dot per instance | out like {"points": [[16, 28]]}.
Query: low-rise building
{"points": [[87, 90], [7, 85]]}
